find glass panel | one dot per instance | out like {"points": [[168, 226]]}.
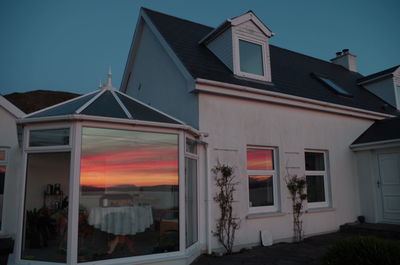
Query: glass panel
{"points": [[260, 159], [46, 207], [2, 155], [315, 189], [49, 137], [251, 59], [129, 194], [315, 161], [191, 201], [2, 179], [333, 85], [261, 191], [191, 146]]}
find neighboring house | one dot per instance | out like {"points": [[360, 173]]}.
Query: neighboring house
{"points": [[124, 177]]}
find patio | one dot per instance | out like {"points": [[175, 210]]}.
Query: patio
{"points": [[308, 252]]}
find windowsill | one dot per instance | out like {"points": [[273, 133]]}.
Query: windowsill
{"points": [[264, 215], [320, 210]]}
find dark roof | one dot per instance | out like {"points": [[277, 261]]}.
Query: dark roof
{"points": [[39, 99], [379, 74], [382, 130], [291, 71], [106, 103]]}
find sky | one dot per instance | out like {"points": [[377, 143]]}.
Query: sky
{"points": [[69, 45]]}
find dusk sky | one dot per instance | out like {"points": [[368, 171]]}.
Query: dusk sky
{"points": [[69, 45]]}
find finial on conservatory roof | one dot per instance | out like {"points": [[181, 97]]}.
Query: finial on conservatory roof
{"points": [[109, 80]]}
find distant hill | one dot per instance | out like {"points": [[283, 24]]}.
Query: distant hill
{"points": [[32, 101]]}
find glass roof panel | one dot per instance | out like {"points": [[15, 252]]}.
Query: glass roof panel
{"points": [[334, 86]]}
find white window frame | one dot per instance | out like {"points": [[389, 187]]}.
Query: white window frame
{"points": [[194, 156], [324, 173], [5, 164], [275, 179], [236, 59]]}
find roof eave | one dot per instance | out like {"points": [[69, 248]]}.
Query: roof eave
{"points": [[83, 117], [376, 145]]}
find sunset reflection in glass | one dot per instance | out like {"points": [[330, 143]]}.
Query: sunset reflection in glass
{"points": [[260, 159], [129, 188]]}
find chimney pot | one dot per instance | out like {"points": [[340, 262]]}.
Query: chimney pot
{"points": [[338, 53], [345, 51]]}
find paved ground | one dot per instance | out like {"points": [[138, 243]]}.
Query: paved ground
{"points": [[308, 252]]}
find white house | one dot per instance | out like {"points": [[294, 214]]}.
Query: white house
{"points": [[124, 177]]}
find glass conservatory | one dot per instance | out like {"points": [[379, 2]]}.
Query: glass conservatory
{"points": [[108, 180]]}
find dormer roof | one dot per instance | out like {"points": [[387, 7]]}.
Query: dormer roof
{"points": [[248, 16], [382, 74]]}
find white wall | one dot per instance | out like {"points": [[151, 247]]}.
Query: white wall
{"points": [[234, 123], [8, 139]]}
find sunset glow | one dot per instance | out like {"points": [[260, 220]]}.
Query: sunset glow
{"points": [[136, 158], [260, 178], [260, 159]]}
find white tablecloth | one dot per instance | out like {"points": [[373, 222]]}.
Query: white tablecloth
{"points": [[124, 220]]}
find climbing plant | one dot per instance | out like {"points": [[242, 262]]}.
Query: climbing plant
{"points": [[227, 224], [296, 186]]}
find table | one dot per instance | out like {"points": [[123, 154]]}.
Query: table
{"points": [[123, 220]]}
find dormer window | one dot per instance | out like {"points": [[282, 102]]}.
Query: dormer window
{"points": [[251, 58], [241, 43]]}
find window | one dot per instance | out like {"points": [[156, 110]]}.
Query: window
{"points": [[332, 85], [49, 137], [317, 179], [129, 194], [3, 167], [262, 179], [251, 58], [191, 192], [398, 97]]}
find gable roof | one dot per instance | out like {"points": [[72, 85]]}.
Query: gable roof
{"points": [[106, 103], [292, 72], [380, 74], [8, 106], [382, 130]]}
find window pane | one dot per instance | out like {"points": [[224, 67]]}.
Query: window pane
{"points": [[261, 191], [2, 155], [191, 201], [2, 179], [251, 59], [49, 137], [129, 200], [260, 159], [191, 146], [315, 189], [46, 207], [315, 161]]}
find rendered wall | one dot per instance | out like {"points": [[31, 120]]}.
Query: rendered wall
{"points": [[156, 80], [234, 123], [12, 191]]}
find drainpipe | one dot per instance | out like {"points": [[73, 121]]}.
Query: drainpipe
{"points": [[208, 191]]}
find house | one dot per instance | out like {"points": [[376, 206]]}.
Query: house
{"points": [[125, 176]]}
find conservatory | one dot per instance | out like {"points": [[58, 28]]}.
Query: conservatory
{"points": [[108, 180]]}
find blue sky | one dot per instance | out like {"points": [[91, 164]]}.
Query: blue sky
{"points": [[68, 45]]}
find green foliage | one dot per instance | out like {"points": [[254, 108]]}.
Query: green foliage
{"points": [[296, 186], [363, 250], [227, 224]]}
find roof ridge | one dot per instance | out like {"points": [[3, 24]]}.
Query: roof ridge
{"points": [[377, 74], [175, 17]]}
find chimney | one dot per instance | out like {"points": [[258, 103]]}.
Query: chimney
{"points": [[345, 59]]}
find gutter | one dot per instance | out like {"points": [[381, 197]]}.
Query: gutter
{"points": [[82, 117], [375, 145], [289, 100]]}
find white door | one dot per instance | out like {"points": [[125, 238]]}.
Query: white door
{"points": [[389, 184]]}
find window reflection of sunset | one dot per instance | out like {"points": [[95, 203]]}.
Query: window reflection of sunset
{"points": [[259, 159], [139, 159], [260, 178]]}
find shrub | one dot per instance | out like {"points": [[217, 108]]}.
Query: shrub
{"points": [[363, 250]]}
